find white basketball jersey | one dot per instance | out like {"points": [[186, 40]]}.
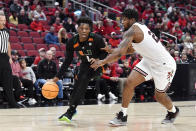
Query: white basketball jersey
{"points": [[150, 47]]}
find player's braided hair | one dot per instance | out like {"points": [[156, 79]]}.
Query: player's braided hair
{"points": [[130, 13], [85, 20]]}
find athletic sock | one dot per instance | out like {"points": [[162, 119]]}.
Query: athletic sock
{"points": [[124, 110], [173, 110]]}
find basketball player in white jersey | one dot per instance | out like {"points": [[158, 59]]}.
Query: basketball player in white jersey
{"points": [[157, 64]]}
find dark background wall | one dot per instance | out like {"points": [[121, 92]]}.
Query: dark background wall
{"points": [[183, 84]]}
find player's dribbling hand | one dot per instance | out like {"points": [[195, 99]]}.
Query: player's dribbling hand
{"points": [[54, 80], [50, 81]]}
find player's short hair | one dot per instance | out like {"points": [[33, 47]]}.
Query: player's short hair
{"points": [[130, 13], [85, 20]]}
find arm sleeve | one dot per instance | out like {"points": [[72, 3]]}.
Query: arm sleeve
{"points": [[68, 59], [101, 44]]}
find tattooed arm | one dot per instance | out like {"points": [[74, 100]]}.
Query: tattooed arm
{"points": [[124, 48]]}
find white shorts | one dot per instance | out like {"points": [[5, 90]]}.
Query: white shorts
{"points": [[161, 73]]}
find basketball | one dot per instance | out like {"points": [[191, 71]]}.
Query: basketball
{"points": [[50, 90]]}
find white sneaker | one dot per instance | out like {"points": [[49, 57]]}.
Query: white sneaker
{"points": [[32, 101], [112, 96], [100, 96]]}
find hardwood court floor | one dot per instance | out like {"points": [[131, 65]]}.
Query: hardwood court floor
{"points": [[142, 117]]}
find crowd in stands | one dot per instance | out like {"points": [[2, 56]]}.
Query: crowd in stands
{"points": [[35, 28]]}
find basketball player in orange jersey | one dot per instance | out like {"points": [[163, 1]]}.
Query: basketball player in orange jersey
{"points": [[157, 64], [88, 47]]}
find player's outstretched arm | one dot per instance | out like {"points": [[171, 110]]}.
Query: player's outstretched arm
{"points": [[118, 52]]}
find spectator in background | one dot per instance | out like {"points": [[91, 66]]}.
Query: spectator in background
{"points": [[177, 57], [182, 21], [57, 25], [38, 12], [126, 69], [170, 9], [114, 40], [69, 11], [190, 55], [51, 38], [62, 36], [26, 7], [110, 78], [15, 7], [27, 71], [146, 13], [156, 30], [177, 31], [56, 8], [47, 70], [99, 28], [13, 18], [184, 58], [54, 58], [53, 17], [165, 19], [69, 26], [17, 71], [34, 5], [36, 25], [170, 23], [42, 53], [23, 18], [188, 43]]}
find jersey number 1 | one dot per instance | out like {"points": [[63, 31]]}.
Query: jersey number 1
{"points": [[153, 36]]}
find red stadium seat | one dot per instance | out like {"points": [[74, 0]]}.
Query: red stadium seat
{"points": [[12, 26], [16, 46], [43, 34], [38, 46], [14, 39], [22, 52], [23, 34], [38, 40], [32, 53], [60, 54], [53, 45], [23, 27], [13, 33], [29, 47], [26, 40], [63, 47], [34, 34]]}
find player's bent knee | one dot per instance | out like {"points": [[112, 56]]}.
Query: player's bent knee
{"points": [[159, 95], [129, 83]]}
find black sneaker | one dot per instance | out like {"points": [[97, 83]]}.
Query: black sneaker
{"points": [[68, 115], [170, 117], [119, 120]]}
